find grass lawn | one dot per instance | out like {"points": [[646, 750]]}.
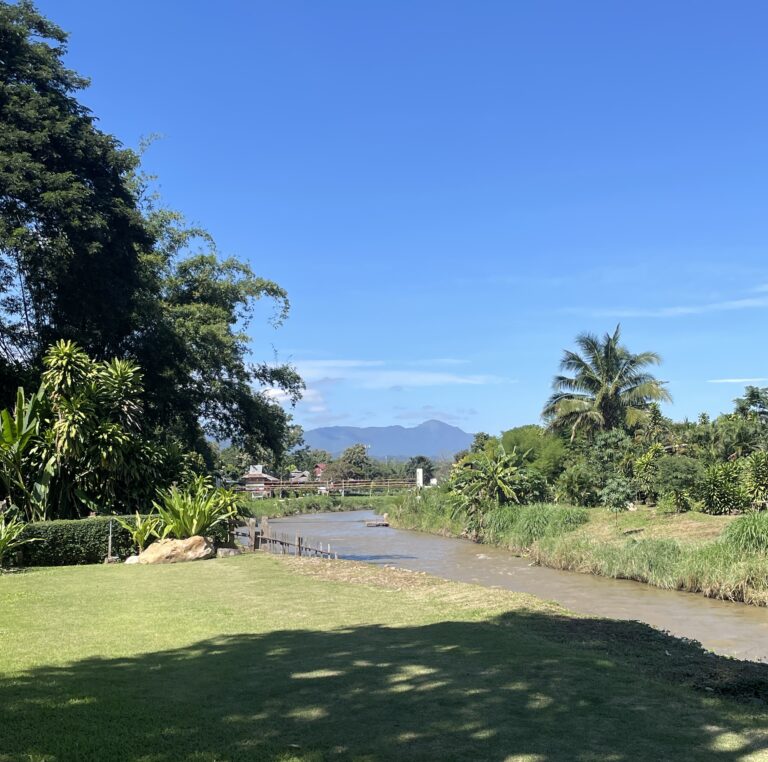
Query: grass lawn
{"points": [[258, 657]]}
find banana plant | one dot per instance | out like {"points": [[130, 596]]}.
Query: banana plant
{"points": [[18, 431]]}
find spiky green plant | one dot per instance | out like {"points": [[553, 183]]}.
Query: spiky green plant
{"points": [[721, 489], [194, 509], [11, 539], [755, 476], [142, 529]]}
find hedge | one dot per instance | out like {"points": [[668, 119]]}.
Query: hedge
{"points": [[70, 542], [73, 541]]}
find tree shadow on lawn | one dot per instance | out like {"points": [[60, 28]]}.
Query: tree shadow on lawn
{"points": [[524, 686]]}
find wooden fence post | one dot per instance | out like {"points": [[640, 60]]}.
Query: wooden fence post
{"points": [[252, 534]]}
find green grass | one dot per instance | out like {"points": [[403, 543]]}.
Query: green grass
{"points": [[256, 657], [722, 557]]}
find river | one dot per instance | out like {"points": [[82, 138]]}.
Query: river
{"points": [[733, 629]]}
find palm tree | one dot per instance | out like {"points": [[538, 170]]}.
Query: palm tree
{"points": [[610, 387]]}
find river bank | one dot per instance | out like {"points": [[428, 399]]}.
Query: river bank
{"points": [[673, 552], [727, 628]]}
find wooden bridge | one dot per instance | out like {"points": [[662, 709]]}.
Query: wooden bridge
{"points": [[341, 487]]}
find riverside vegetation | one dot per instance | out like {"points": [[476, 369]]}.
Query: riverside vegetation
{"points": [[676, 505], [721, 557]]}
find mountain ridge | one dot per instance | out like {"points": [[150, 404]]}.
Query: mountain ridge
{"points": [[432, 438]]}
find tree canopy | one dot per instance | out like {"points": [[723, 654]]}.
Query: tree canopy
{"points": [[89, 254], [71, 232]]}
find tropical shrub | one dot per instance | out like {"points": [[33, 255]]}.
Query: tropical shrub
{"points": [[755, 476], [142, 529], [482, 480], [748, 533], [25, 479], [675, 501], [194, 509], [77, 446], [617, 494], [579, 484], [677, 473], [11, 536], [645, 469], [721, 490]]}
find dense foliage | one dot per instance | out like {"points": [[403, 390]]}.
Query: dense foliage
{"points": [[72, 542], [80, 446], [196, 508], [89, 254]]}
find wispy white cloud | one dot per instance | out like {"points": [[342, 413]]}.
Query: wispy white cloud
{"points": [[752, 302], [377, 374], [737, 380]]}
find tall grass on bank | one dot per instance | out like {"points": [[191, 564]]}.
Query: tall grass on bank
{"points": [[515, 527], [733, 567], [429, 510]]}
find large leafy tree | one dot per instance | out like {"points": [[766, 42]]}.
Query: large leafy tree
{"points": [[609, 386], [192, 341], [353, 463], [88, 254], [71, 232]]}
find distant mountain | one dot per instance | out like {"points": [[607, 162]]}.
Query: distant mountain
{"points": [[432, 438]]}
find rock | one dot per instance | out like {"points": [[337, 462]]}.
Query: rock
{"points": [[227, 552], [174, 551], [132, 560]]}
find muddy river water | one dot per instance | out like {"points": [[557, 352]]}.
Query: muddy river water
{"points": [[726, 628]]}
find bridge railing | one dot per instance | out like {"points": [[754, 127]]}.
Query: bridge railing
{"points": [[336, 487]]}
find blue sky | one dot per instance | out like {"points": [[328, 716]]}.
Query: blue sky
{"points": [[450, 191]]}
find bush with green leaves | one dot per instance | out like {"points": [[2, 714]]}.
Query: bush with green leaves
{"points": [[675, 501], [11, 537], [79, 446], [645, 469], [142, 529], [617, 494], [755, 478], [579, 484], [721, 490], [69, 542], [194, 509], [677, 473], [748, 533], [484, 479]]}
